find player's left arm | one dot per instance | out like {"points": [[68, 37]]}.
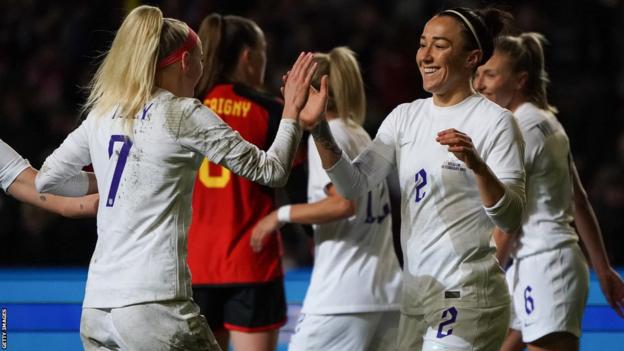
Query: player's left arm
{"points": [[501, 187], [504, 244], [23, 189], [589, 231]]}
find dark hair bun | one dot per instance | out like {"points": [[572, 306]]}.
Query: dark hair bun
{"points": [[488, 24], [497, 21]]}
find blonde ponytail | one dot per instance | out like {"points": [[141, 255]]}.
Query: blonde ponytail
{"points": [[126, 78], [346, 87], [526, 54]]}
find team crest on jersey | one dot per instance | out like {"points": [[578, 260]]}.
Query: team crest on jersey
{"points": [[454, 165]]}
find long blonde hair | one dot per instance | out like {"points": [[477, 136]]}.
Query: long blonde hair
{"points": [[346, 87], [126, 77], [526, 54]]}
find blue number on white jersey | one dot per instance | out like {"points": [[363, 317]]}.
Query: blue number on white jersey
{"points": [[421, 181], [121, 163]]}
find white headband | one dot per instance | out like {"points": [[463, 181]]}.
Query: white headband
{"points": [[469, 25]]}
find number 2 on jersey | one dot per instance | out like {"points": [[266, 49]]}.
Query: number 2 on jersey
{"points": [[119, 167], [421, 181], [452, 313]]}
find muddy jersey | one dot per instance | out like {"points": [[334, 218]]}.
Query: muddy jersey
{"points": [[145, 178]]}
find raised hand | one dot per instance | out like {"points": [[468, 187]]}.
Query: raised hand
{"points": [[297, 85], [461, 146], [266, 226], [314, 110]]}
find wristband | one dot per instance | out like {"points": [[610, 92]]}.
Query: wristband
{"points": [[283, 214]]}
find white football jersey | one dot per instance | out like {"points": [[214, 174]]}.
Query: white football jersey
{"points": [[355, 267], [549, 212], [11, 165], [145, 181], [445, 229]]}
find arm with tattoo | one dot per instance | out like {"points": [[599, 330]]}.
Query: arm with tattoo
{"points": [[329, 151]]}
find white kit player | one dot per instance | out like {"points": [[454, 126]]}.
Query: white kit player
{"points": [[17, 178], [138, 293], [459, 160], [352, 302], [548, 278]]}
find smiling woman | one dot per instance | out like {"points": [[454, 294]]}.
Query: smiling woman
{"points": [[459, 159]]}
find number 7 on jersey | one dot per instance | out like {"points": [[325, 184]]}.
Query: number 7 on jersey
{"points": [[119, 167]]}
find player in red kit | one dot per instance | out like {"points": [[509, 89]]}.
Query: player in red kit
{"points": [[240, 292]]}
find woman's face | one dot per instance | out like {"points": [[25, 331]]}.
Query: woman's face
{"points": [[441, 58], [496, 79]]}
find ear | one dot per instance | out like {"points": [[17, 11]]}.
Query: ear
{"points": [[473, 59], [245, 56], [186, 60], [521, 80]]}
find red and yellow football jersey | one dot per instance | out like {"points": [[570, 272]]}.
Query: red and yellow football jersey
{"points": [[226, 207]]}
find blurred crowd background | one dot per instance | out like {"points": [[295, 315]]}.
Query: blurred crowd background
{"points": [[50, 49]]}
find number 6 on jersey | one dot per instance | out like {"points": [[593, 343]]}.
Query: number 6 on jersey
{"points": [[119, 167]]}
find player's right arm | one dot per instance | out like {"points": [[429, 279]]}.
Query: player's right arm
{"points": [[202, 131], [23, 189], [18, 180], [332, 208]]}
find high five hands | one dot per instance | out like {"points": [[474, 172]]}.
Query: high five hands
{"points": [[300, 98]]}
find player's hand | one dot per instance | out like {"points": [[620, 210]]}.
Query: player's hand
{"points": [[461, 146], [314, 110], [265, 227], [297, 85], [613, 289]]}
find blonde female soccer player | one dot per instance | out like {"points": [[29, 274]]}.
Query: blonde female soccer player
{"points": [[352, 302], [146, 136], [548, 279]]}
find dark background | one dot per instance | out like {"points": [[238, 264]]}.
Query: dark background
{"points": [[49, 50]]}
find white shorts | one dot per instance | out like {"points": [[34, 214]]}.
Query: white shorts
{"points": [[548, 292], [174, 325], [341, 332], [455, 329]]}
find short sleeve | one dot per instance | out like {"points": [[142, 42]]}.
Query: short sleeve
{"points": [[11, 165]]}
